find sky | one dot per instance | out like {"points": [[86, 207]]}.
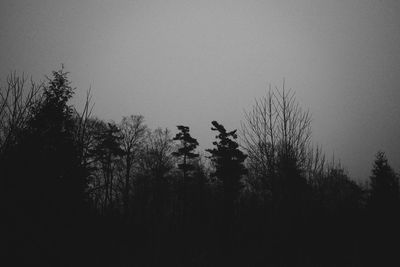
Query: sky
{"points": [[191, 62]]}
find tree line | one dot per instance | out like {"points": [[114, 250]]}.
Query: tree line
{"points": [[78, 190]]}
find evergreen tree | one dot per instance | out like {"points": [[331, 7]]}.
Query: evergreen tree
{"points": [[188, 144], [384, 212], [49, 142], [384, 185], [228, 160], [48, 181], [229, 168]]}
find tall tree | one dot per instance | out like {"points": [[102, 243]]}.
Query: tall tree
{"points": [[384, 211], [276, 132], [51, 136], [133, 131], [156, 160], [16, 103], [229, 169], [107, 150], [188, 145], [384, 185], [48, 188], [186, 152]]}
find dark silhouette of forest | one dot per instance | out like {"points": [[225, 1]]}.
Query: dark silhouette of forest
{"points": [[79, 191]]}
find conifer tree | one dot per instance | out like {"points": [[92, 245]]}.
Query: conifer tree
{"points": [[188, 144], [229, 168], [185, 151], [50, 135], [228, 159], [384, 185], [228, 162]]}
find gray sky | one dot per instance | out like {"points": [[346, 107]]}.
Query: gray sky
{"points": [[191, 62]]}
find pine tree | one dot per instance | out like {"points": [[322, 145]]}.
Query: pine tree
{"points": [[188, 145], [51, 147], [48, 180], [228, 160], [185, 151], [384, 185], [384, 212]]}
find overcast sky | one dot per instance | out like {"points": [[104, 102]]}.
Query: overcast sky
{"points": [[191, 62]]}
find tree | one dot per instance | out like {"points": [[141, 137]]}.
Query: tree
{"points": [[277, 132], [50, 135], [155, 164], [88, 136], [228, 160], [16, 104], [383, 205], [47, 180], [17, 100], [229, 168], [83, 129], [188, 144], [133, 131], [185, 151], [107, 150], [384, 185], [336, 192], [276, 135]]}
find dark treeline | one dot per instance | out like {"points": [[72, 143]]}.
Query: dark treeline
{"points": [[79, 191]]}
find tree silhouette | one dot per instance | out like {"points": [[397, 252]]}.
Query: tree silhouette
{"points": [[49, 192], [16, 104], [384, 184], [107, 149], [51, 136], [156, 160], [74, 186], [276, 132], [229, 168], [133, 132], [187, 145], [384, 211], [228, 161]]}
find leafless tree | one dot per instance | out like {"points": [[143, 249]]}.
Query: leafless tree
{"points": [[88, 138], [84, 129], [276, 128], [133, 132], [17, 100], [155, 166], [156, 157]]}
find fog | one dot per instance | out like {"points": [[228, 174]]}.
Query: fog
{"points": [[191, 62]]}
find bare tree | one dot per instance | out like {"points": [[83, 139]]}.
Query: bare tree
{"points": [[107, 153], [88, 138], [156, 159], [83, 127], [133, 132], [17, 101], [276, 129], [155, 165]]}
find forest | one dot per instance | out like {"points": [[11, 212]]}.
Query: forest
{"points": [[80, 191]]}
